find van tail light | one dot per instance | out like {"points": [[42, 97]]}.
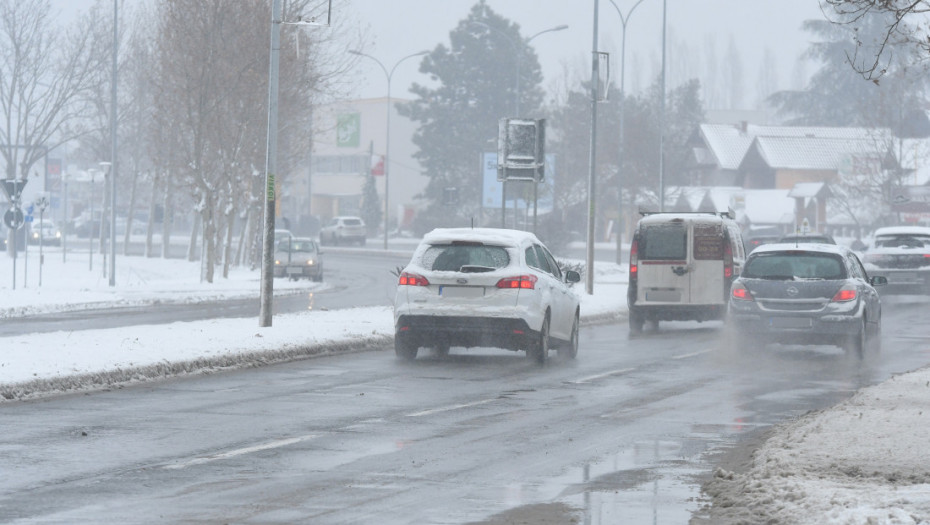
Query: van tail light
{"points": [[727, 259], [526, 282], [412, 279], [634, 260], [741, 292], [846, 293]]}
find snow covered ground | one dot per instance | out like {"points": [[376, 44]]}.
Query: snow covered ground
{"points": [[865, 461]]}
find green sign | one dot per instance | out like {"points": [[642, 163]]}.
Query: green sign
{"points": [[347, 130]]}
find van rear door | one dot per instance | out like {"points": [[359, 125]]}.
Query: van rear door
{"points": [[707, 265], [663, 263]]}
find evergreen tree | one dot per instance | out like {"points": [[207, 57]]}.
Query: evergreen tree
{"points": [[458, 120], [371, 206]]}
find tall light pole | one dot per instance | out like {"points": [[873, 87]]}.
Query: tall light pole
{"points": [[271, 155], [624, 19], [387, 134], [662, 115], [518, 60], [592, 160], [112, 276]]}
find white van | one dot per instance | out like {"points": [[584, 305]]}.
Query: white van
{"points": [[681, 267]]}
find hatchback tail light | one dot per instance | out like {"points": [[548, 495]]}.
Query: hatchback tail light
{"points": [[741, 292], [526, 282], [846, 293], [412, 279]]}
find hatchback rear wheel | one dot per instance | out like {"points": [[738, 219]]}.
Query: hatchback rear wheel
{"points": [[856, 343], [404, 349]]}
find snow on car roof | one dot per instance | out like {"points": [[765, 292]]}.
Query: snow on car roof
{"points": [[484, 235], [672, 216], [804, 247], [902, 230]]}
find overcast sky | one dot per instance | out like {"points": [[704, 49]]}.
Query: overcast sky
{"points": [[401, 27], [398, 28]]}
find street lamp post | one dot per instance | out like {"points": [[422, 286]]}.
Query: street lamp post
{"points": [[387, 135], [90, 232], [624, 19], [112, 277]]}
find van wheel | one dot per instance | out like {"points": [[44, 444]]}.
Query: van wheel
{"points": [[637, 320]]}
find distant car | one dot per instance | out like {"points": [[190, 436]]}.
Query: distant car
{"points": [[807, 294], [804, 238], [296, 257], [485, 287], [902, 255], [343, 230], [753, 242], [282, 234], [45, 232]]}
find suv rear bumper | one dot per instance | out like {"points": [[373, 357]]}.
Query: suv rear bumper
{"points": [[433, 331]]}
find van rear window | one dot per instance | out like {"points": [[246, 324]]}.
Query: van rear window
{"points": [[664, 242], [708, 242]]}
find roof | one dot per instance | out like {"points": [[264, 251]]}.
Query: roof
{"points": [[809, 190], [729, 143], [698, 216], [769, 207], [484, 235], [818, 153]]}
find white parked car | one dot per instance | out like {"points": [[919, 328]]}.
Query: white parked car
{"points": [[343, 230], [485, 287], [45, 232], [901, 254]]}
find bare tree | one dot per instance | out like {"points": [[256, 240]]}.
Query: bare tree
{"points": [[877, 53], [45, 74]]}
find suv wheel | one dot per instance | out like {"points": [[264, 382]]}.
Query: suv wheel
{"points": [[571, 351], [539, 350], [404, 349]]}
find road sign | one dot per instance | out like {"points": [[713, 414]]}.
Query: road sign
{"points": [[42, 202], [13, 187], [13, 218]]}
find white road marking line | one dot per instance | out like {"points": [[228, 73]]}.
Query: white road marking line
{"points": [[239, 452], [451, 407], [692, 354], [601, 376]]}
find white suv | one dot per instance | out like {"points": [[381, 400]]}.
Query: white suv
{"points": [[485, 287], [341, 230]]}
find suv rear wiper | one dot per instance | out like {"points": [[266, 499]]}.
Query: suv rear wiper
{"points": [[474, 268]]}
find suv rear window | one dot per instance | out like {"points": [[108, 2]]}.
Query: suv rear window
{"points": [[902, 241], [664, 242], [352, 222], [452, 257], [789, 265]]}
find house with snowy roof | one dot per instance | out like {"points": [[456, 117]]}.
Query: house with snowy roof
{"points": [[800, 168]]}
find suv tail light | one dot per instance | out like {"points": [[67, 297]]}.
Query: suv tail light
{"points": [[741, 292], [846, 293], [526, 282], [412, 279]]}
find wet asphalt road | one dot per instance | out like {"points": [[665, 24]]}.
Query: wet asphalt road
{"points": [[623, 434]]}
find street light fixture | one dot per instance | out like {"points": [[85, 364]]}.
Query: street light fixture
{"points": [[624, 19], [387, 139]]}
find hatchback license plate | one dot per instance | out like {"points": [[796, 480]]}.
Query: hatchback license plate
{"points": [[790, 322]]}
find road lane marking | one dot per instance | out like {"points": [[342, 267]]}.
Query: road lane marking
{"points": [[692, 354], [240, 452], [451, 407], [601, 376]]}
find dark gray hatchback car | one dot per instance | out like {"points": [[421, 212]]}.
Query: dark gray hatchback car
{"points": [[805, 294]]}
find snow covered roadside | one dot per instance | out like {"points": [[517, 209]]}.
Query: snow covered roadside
{"points": [[865, 461], [38, 365]]}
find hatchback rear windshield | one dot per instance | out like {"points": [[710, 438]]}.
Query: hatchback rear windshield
{"points": [[664, 242], [352, 222], [475, 257], [804, 265]]}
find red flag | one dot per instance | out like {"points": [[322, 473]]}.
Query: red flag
{"points": [[377, 165]]}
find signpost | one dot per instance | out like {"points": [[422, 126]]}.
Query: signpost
{"points": [[14, 217]]}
